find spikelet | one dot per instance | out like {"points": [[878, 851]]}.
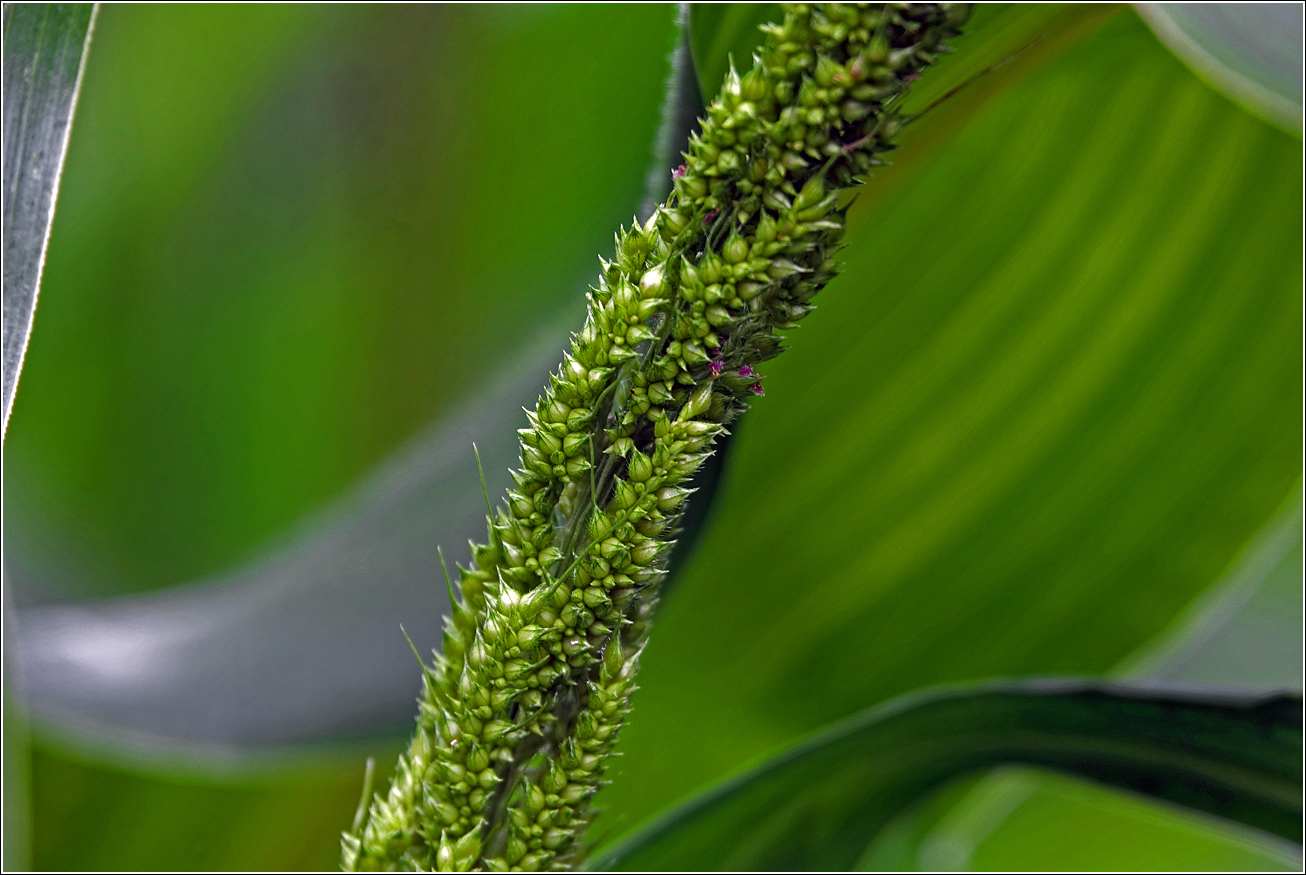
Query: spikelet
{"points": [[525, 703]]}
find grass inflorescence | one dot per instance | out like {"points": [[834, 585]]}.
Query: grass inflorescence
{"points": [[523, 706]]}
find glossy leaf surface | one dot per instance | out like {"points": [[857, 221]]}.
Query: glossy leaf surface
{"points": [[818, 805], [1053, 395], [45, 47]]}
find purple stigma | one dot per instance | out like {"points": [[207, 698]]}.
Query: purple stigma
{"points": [[746, 371], [678, 172], [717, 367], [707, 220], [757, 388]]}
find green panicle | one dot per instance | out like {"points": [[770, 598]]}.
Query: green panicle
{"points": [[520, 714]]}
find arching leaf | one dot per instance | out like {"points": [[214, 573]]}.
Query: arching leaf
{"points": [[819, 804], [44, 53]]}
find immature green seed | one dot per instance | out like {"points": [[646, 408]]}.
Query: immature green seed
{"points": [[520, 713]]}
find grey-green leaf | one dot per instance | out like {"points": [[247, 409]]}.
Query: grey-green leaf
{"points": [[302, 645], [44, 52], [1251, 52], [818, 804]]}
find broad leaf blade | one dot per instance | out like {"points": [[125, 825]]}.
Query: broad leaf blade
{"points": [[44, 53], [682, 106], [293, 225], [818, 805], [1251, 52], [283, 249], [1245, 632], [304, 644], [1056, 822], [1247, 629], [320, 615], [1051, 397]]}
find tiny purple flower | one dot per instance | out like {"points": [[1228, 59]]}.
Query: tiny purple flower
{"points": [[746, 371], [717, 367], [678, 172], [757, 388], [707, 220]]}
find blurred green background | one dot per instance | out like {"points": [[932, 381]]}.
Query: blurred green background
{"points": [[291, 236], [1052, 401]]}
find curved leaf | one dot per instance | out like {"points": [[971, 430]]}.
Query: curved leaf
{"points": [[1054, 393], [44, 55], [301, 643], [817, 805], [291, 221], [682, 105], [1246, 631], [1032, 819], [289, 239], [1251, 52]]}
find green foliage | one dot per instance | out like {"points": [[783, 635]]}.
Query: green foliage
{"points": [[1045, 821], [45, 48], [1053, 394], [823, 803], [1252, 55], [248, 303], [1056, 392], [228, 816], [272, 218], [44, 53]]}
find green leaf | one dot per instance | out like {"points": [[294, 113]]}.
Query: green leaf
{"points": [[285, 247], [1251, 52], [1055, 392], [1245, 631], [283, 812], [44, 52], [302, 645], [819, 804], [285, 287], [1021, 818], [682, 105]]}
